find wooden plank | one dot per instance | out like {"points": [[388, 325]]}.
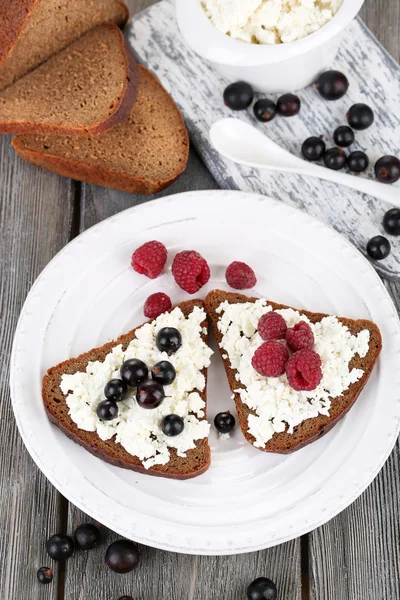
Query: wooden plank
{"points": [[35, 221], [383, 18]]}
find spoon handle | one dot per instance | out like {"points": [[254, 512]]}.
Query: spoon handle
{"points": [[388, 193]]}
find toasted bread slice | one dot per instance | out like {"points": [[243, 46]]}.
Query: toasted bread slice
{"points": [[83, 90], [142, 156], [197, 459], [311, 429], [33, 30]]}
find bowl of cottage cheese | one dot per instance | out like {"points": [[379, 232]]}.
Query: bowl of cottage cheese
{"points": [[275, 45]]}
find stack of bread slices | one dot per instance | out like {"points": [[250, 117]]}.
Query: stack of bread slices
{"points": [[80, 105]]}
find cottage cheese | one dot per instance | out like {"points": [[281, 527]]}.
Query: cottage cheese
{"points": [[270, 21], [278, 406], [138, 429]]}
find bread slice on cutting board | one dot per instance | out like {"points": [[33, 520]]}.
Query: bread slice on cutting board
{"points": [[85, 89], [313, 428], [197, 459], [33, 30], [141, 156]]}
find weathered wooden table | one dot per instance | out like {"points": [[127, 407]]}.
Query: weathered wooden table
{"points": [[355, 556]]}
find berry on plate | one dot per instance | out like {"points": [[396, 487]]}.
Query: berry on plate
{"points": [[224, 422], [156, 305], [272, 326], [270, 359], [240, 276], [300, 336], [190, 271], [149, 259], [304, 370]]}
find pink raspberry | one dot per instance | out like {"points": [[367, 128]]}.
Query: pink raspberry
{"points": [[150, 259], [272, 326], [304, 370], [240, 276], [156, 304], [190, 271], [270, 359], [300, 337]]}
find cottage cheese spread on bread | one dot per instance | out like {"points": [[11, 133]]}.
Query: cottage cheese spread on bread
{"points": [[277, 405], [137, 429], [270, 21]]}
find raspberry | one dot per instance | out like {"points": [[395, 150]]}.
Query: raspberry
{"points": [[156, 304], [272, 326], [240, 276], [150, 259], [190, 271], [270, 359], [300, 337], [304, 371]]}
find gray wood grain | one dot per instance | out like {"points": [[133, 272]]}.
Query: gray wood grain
{"points": [[35, 220]]}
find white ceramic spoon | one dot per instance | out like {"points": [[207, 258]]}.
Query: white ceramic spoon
{"points": [[246, 145]]}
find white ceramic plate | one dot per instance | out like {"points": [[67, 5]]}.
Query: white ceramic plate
{"points": [[248, 500]]}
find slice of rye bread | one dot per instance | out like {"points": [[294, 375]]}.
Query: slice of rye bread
{"points": [[33, 30], [83, 90], [311, 429], [197, 459], [142, 156]]}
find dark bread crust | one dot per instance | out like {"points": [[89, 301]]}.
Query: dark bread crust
{"points": [[197, 460], [90, 172], [311, 429], [122, 105], [15, 15]]}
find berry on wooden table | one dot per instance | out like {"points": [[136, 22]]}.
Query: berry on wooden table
{"points": [[122, 556], [360, 116], [288, 105], [378, 247], [125, 598], [149, 259], [335, 159], [332, 85], [387, 169], [391, 221], [240, 276], [357, 161], [300, 336], [270, 359], [272, 326], [304, 371], [238, 95], [313, 148], [344, 136], [265, 110], [156, 305], [45, 575], [60, 546], [87, 536], [190, 271], [262, 588]]}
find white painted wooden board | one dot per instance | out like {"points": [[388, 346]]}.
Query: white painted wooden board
{"points": [[198, 89]]}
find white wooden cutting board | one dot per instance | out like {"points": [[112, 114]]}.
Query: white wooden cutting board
{"points": [[375, 79]]}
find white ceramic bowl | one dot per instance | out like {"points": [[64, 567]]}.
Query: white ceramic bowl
{"points": [[276, 68]]}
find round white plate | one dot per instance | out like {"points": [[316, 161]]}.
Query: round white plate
{"points": [[248, 500]]}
